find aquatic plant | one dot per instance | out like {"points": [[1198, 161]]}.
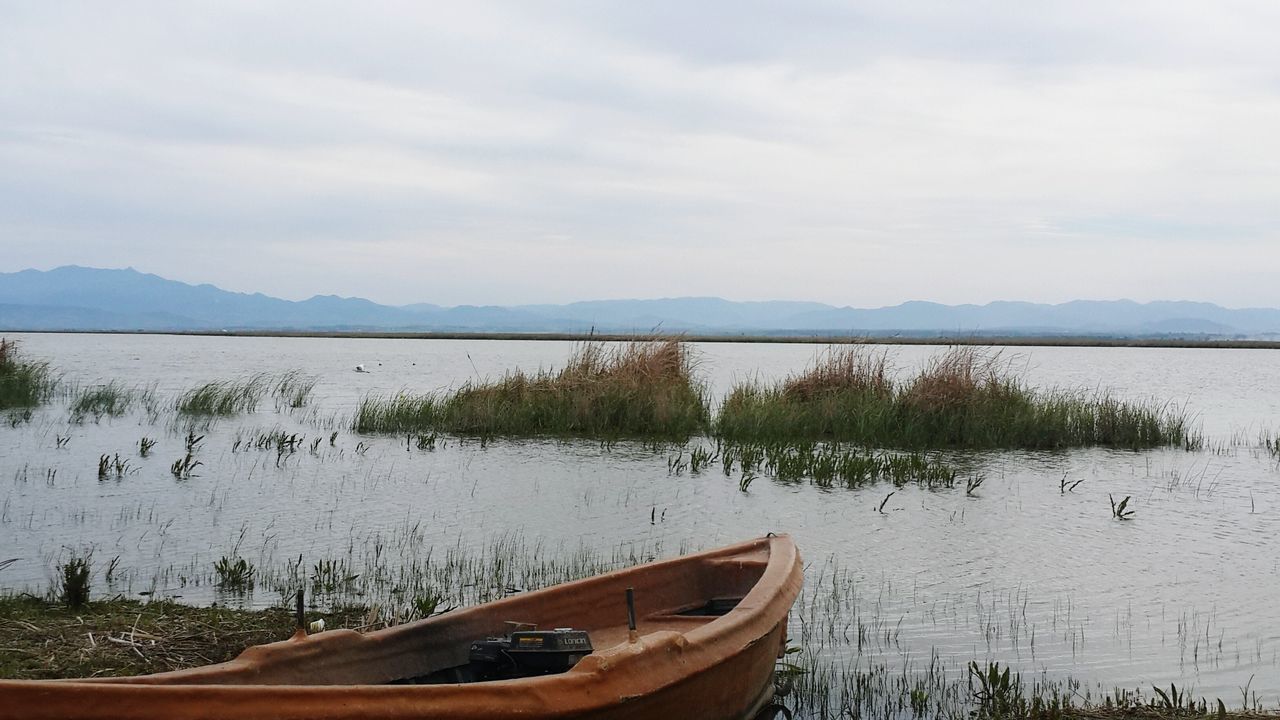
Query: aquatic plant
{"points": [[400, 413], [644, 388], [23, 383], [330, 576], [73, 586], [963, 398], [972, 484], [829, 464], [112, 399], [1118, 510], [113, 466], [234, 574], [292, 390], [224, 397], [885, 501], [182, 468]]}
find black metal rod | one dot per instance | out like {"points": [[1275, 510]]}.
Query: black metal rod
{"points": [[302, 619], [631, 609]]}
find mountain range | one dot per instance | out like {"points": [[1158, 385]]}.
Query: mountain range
{"points": [[80, 298]]}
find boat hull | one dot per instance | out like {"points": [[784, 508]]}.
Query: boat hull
{"points": [[679, 665]]}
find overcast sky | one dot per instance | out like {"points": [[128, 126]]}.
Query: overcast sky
{"points": [[859, 154]]}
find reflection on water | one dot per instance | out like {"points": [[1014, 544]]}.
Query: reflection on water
{"points": [[1025, 570]]}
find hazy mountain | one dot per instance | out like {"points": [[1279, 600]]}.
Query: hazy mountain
{"points": [[77, 298], [135, 297]]}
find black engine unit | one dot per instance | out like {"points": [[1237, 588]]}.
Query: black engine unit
{"points": [[526, 653]]}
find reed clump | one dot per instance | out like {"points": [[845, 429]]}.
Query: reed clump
{"points": [[644, 388], [112, 399], [404, 412], [23, 383], [292, 389], [963, 398], [224, 397]]}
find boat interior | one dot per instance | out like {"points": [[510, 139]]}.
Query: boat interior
{"points": [[680, 595]]}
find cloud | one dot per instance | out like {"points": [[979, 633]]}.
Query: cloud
{"points": [[505, 152]]}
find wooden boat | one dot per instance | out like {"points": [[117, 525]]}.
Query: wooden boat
{"points": [[709, 628]]}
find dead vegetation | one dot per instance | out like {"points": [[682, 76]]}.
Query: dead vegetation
{"points": [[42, 640]]}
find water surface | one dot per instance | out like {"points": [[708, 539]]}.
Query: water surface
{"points": [[1020, 571]]}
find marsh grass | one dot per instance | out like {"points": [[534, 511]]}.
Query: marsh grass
{"points": [[112, 399], [292, 390], [846, 662], [23, 383], [635, 389], [829, 465], [42, 638], [234, 574], [822, 688], [963, 398], [224, 397]]}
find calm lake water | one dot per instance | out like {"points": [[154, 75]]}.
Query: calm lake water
{"points": [[1019, 572]]}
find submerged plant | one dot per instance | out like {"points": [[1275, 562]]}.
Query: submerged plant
{"points": [[885, 501], [700, 458], [824, 464], [182, 468], [1118, 511], [113, 466], [972, 484]]}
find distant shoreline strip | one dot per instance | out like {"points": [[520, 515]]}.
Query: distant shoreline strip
{"points": [[986, 340]]}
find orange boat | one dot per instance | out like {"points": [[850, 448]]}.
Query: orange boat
{"points": [[708, 629]]}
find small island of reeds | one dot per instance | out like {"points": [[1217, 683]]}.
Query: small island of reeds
{"points": [[963, 398], [638, 389]]}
